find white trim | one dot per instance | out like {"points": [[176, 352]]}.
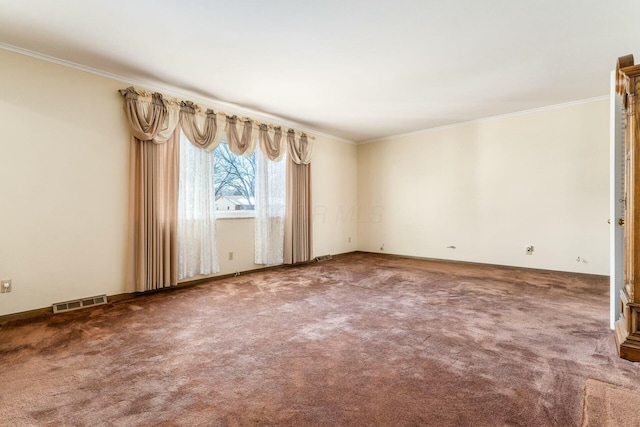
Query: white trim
{"points": [[485, 119], [235, 214], [64, 63], [616, 208], [177, 92]]}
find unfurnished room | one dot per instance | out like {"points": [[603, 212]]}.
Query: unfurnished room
{"points": [[296, 213]]}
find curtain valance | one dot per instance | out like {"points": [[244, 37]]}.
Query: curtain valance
{"points": [[152, 117], [146, 118], [240, 145], [202, 130], [272, 142], [300, 148]]}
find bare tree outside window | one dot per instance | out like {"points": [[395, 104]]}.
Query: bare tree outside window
{"points": [[235, 178]]}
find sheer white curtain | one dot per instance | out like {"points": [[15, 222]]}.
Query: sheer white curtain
{"points": [[197, 252], [270, 209]]}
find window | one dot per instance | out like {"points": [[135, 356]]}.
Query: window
{"points": [[235, 182], [220, 184]]}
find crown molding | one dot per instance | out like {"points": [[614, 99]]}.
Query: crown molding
{"points": [[486, 119], [176, 92]]}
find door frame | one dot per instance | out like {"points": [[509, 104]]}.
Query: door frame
{"points": [[616, 201]]}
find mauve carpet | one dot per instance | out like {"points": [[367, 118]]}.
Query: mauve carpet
{"points": [[361, 340], [607, 405]]}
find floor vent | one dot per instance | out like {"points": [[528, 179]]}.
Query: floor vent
{"points": [[323, 258], [76, 304]]}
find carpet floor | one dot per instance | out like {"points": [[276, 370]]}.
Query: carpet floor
{"points": [[607, 405], [361, 340]]}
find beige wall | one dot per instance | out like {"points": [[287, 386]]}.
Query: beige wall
{"points": [[334, 193], [63, 178], [489, 188], [63, 188], [492, 187]]}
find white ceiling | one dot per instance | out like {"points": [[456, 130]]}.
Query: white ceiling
{"points": [[359, 70]]}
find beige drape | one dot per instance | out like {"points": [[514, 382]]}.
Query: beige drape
{"points": [[202, 130], [153, 187], [146, 119], [240, 145], [170, 121], [272, 142], [298, 232], [300, 148]]}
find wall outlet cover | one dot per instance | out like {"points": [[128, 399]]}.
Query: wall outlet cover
{"points": [[5, 286]]}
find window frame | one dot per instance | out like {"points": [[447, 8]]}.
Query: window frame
{"points": [[241, 214]]}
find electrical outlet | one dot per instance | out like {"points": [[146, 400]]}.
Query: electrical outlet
{"points": [[231, 256], [5, 286]]}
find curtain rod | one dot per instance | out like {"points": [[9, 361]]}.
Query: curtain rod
{"points": [[148, 93]]}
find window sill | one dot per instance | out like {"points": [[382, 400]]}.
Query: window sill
{"points": [[235, 214]]}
